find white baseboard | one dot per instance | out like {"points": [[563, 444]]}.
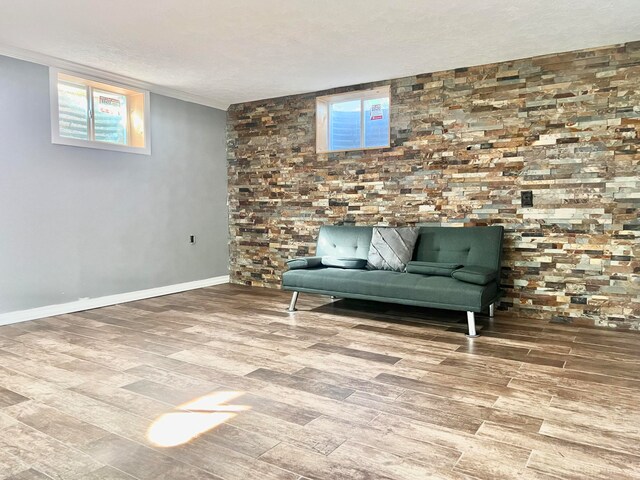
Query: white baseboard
{"points": [[89, 303]]}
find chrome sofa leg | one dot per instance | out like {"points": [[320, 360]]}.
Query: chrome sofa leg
{"points": [[471, 320], [492, 309], [292, 305]]}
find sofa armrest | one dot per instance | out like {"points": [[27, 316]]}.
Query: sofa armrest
{"points": [[432, 268], [304, 262], [476, 275], [344, 262]]}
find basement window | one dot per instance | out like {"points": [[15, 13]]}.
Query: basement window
{"points": [[353, 121], [87, 112]]}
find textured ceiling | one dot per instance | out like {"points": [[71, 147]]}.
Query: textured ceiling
{"points": [[223, 52]]}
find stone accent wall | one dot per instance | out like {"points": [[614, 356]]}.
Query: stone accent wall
{"points": [[465, 143]]}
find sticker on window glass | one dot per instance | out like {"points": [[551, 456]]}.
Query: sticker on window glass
{"points": [[109, 105], [376, 111]]}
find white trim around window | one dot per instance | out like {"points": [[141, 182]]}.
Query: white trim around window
{"points": [[138, 113], [324, 119]]}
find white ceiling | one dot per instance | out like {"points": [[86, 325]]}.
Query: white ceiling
{"points": [[219, 52]]}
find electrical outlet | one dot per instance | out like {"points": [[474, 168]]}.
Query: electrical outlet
{"points": [[192, 239], [526, 198]]}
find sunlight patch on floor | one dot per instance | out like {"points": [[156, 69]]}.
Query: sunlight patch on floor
{"points": [[194, 418]]}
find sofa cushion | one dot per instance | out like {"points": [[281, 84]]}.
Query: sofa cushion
{"points": [[387, 286], [344, 262], [304, 262], [476, 275], [432, 268], [391, 248], [481, 246], [343, 241]]}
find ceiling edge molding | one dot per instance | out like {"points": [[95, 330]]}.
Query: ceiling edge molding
{"points": [[50, 61]]}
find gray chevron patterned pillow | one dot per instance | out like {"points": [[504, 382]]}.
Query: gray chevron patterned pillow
{"points": [[391, 248]]}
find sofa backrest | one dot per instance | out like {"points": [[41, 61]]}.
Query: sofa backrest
{"points": [[478, 246], [339, 241]]}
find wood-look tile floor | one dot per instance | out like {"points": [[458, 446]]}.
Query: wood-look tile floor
{"points": [[338, 390]]}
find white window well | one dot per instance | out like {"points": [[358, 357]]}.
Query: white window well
{"points": [[353, 121], [88, 112]]}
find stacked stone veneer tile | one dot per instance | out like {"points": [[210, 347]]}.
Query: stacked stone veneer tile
{"points": [[465, 143]]}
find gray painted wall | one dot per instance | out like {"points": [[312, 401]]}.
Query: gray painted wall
{"points": [[78, 222]]}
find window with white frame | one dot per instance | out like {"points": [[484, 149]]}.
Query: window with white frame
{"points": [[88, 112], [353, 121]]}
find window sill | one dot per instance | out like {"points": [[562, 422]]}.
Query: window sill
{"points": [[74, 142], [382, 147]]}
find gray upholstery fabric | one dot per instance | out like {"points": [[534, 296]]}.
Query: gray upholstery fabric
{"points": [[481, 246], [304, 262], [344, 262], [396, 287], [475, 274], [391, 248], [339, 241], [470, 246], [432, 268]]}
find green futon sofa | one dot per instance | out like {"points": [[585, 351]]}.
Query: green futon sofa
{"points": [[475, 251]]}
